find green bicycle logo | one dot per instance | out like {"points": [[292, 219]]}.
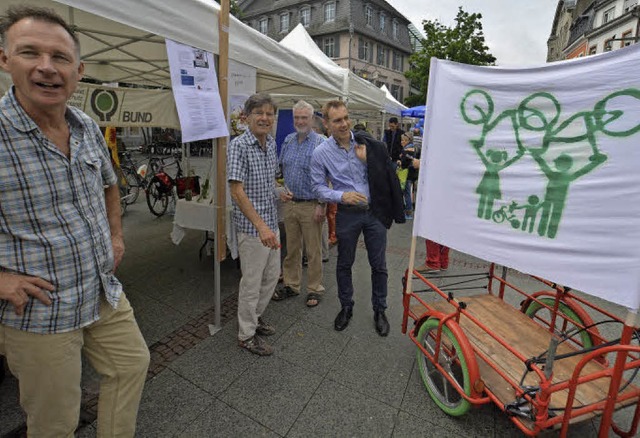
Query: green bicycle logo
{"points": [[540, 133]]}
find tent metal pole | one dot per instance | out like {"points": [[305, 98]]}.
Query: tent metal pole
{"points": [[221, 159]]}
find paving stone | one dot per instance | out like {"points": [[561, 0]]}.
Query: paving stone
{"points": [[169, 402], [221, 420], [408, 425], [11, 415], [273, 392], [336, 410]]}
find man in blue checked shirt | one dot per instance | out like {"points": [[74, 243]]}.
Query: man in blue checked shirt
{"points": [[303, 213], [252, 163], [60, 240]]}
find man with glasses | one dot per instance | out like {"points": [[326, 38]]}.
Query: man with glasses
{"points": [[303, 213], [251, 171]]}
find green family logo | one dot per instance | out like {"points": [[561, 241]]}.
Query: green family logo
{"points": [[541, 134]]}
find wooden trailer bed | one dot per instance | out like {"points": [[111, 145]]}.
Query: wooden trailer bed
{"points": [[529, 339]]}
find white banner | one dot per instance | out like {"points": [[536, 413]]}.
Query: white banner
{"points": [[538, 169], [195, 90], [120, 106]]}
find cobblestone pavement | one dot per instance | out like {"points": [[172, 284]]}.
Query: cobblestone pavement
{"points": [[319, 382]]}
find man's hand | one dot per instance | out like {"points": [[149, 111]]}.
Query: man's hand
{"points": [[17, 288], [286, 196], [361, 152], [268, 238], [320, 213], [354, 198], [117, 242]]}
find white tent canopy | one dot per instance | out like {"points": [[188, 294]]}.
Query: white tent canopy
{"points": [[391, 105], [360, 93], [123, 41]]}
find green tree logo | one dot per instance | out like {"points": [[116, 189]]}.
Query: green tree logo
{"points": [[104, 103], [540, 133]]}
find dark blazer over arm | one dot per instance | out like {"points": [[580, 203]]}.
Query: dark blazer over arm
{"points": [[386, 203]]}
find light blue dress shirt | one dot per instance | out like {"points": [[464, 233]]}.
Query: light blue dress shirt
{"points": [[342, 168]]}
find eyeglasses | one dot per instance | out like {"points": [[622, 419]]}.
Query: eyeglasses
{"points": [[263, 114]]}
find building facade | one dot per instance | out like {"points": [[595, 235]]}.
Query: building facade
{"points": [[369, 37], [588, 27]]}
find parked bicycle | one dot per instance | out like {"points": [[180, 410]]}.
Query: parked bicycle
{"points": [[163, 188]]}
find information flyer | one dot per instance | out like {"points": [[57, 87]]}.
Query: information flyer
{"points": [[195, 90]]}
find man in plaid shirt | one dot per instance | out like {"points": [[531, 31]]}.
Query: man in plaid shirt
{"points": [[60, 240], [251, 171]]}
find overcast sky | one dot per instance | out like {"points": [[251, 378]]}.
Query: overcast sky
{"points": [[516, 31]]}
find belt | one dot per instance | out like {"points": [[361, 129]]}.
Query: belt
{"points": [[303, 200], [352, 207]]}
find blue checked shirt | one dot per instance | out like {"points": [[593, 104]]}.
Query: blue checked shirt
{"points": [[53, 219], [295, 159], [256, 169]]}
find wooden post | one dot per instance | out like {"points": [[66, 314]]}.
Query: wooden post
{"points": [[221, 143]]}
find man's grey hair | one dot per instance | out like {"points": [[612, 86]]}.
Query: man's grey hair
{"points": [[257, 101], [301, 104], [17, 13]]}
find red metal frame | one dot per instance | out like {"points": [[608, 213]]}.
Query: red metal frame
{"points": [[627, 356]]}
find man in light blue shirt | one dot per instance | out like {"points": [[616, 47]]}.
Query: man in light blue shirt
{"points": [[344, 163]]}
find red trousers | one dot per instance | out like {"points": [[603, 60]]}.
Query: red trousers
{"points": [[437, 255], [331, 222]]}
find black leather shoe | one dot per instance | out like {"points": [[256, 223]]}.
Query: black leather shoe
{"points": [[342, 320], [382, 325]]}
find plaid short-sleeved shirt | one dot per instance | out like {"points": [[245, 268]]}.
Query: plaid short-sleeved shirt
{"points": [[295, 159], [256, 168], [53, 219]]}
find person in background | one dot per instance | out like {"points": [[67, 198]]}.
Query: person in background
{"points": [[417, 138], [408, 155], [392, 139], [61, 240], [252, 164], [303, 214], [367, 191]]}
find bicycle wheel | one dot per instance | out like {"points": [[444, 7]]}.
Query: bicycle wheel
{"points": [[123, 199], [452, 359], [157, 197], [499, 216], [134, 184], [541, 314]]}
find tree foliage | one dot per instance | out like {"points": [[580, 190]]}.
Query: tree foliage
{"points": [[464, 42], [234, 9]]}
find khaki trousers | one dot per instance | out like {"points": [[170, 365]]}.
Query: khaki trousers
{"points": [[260, 271], [302, 229], [49, 369]]}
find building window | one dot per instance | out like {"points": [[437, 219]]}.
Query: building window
{"points": [[395, 91], [394, 29], [284, 23], [383, 22], [401, 94], [629, 4], [330, 12], [263, 25], [381, 55], [592, 50], [398, 61], [364, 51], [305, 16], [368, 14], [608, 15], [329, 47], [627, 39]]}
